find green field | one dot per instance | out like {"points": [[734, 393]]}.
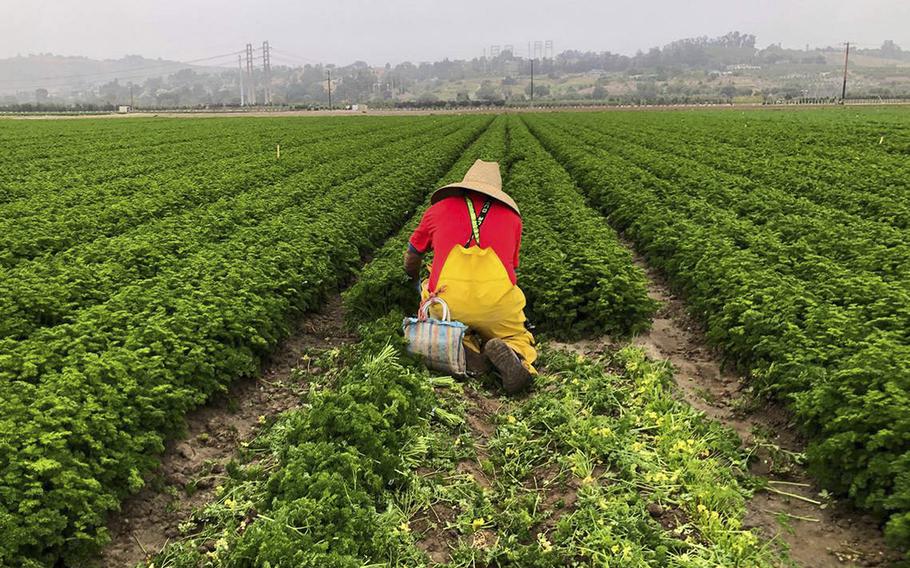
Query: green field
{"points": [[146, 264]]}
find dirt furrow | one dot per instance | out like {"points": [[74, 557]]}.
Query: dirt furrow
{"points": [[818, 535]]}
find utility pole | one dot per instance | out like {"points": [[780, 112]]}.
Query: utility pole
{"points": [[240, 66], [843, 93], [328, 81], [251, 85], [267, 72], [532, 81], [131, 96]]}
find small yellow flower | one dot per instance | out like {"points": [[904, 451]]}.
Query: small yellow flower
{"points": [[230, 504], [545, 544], [511, 419], [405, 527], [476, 524], [615, 549]]}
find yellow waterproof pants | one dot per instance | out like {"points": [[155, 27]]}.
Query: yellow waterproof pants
{"points": [[480, 294]]}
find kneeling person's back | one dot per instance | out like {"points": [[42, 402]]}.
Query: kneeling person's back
{"points": [[474, 230]]}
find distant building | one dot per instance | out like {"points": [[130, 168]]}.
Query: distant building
{"points": [[123, 109]]}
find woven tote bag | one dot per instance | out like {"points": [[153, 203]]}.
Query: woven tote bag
{"points": [[439, 342]]}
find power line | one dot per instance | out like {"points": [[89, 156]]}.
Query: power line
{"points": [[283, 61], [291, 56]]}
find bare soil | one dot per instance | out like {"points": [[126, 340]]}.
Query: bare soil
{"points": [[436, 539], [821, 535], [191, 468]]}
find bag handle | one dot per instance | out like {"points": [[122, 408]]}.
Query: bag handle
{"points": [[424, 312], [476, 220]]}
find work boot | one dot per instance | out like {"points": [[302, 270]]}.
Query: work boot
{"points": [[515, 376], [476, 363]]}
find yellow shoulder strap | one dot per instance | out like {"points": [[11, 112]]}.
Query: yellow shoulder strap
{"points": [[475, 226]]}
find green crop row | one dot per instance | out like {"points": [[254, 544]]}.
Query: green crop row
{"points": [[794, 229], [852, 170], [828, 336], [49, 222], [52, 290], [576, 275], [87, 404], [579, 278], [324, 501], [65, 161]]}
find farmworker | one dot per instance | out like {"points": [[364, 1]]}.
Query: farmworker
{"points": [[474, 230]]}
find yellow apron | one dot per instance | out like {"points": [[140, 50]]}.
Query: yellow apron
{"points": [[480, 294]]}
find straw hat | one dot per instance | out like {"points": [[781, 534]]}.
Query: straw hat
{"points": [[483, 177]]}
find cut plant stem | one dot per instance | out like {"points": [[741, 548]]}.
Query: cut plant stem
{"points": [[793, 495], [791, 516]]}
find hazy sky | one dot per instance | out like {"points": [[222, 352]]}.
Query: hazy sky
{"points": [[340, 31]]}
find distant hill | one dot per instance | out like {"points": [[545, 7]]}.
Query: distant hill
{"points": [[67, 73]]}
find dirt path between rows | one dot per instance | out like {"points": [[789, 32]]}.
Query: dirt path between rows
{"points": [[817, 536], [190, 468]]}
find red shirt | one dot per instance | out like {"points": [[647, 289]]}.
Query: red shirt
{"points": [[446, 224]]}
